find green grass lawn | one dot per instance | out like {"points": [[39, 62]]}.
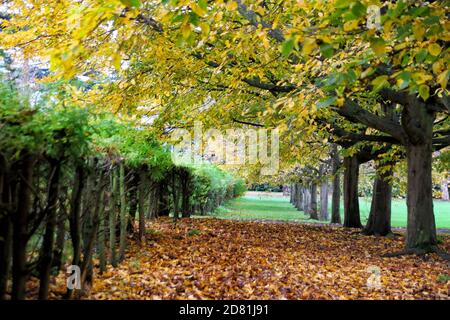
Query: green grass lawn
{"points": [[268, 208]]}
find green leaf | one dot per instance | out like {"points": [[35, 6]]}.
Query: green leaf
{"points": [[421, 55], [379, 82], [287, 46], [131, 3], [342, 4], [359, 9], [203, 4], [326, 50], [404, 80], [326, 102]]}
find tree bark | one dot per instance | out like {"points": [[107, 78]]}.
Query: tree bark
{"points": [[306, 199], [123, 213], [351, 201], [87, 271], [379, 222], [20, 224], [62, 216], [75, 218], [175, 195], [299, 197], [324, 200], [417, 121], [141, 201], [113, 219], [185, 194], [336, 196], [313, 201], [291, 193], [133, 195], [101, 237], [421, 229], [48, 241], [5, 228]]}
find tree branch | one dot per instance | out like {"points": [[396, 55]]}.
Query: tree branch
{"points": [[353, 112]]}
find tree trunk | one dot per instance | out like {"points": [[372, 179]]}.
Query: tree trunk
{"points": [[59, 242], [123, 213], [324, 200], [336, 196], [299, 197], [113, 218], [75, 218], [153, 202], [101, 237], [48, 240], [421, 230], [313, 199], [291, 193], [163, 207], [133, 194], [141, 201], [379, 222], [185, 194], [87, 271], [175, 196], [306, 199], [5, 229], [5, 253], [351, 201], [20, 224]]}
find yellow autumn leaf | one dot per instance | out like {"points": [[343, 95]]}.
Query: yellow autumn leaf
{"points": [[442, 79], [199, 11], [434, 49], [418, 30], [378, 46], [421, 77], [232, 5], [205, 28], [185, 30], [437, 67], [309, 44], [350, 25]]}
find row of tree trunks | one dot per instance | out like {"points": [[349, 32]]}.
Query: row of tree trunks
{"points": [[90, 202], [304, 198]]}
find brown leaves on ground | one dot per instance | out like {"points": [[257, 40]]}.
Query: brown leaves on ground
{"points": [[218, 259]]}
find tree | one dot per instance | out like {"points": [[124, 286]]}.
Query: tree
{"points": [[298, 58]]}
